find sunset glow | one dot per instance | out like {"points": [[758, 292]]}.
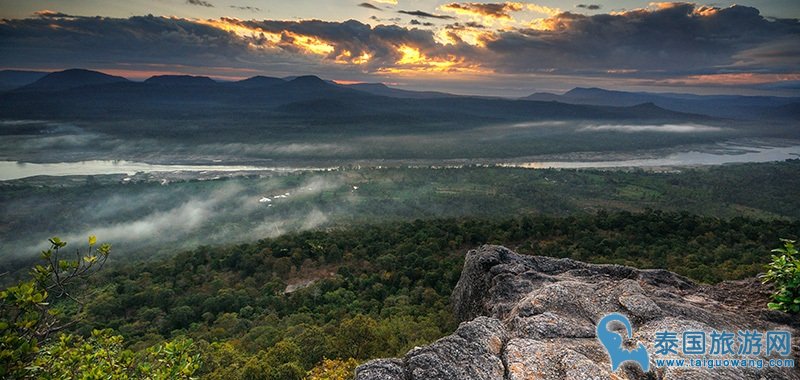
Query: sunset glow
{"points": [[562, 46]]}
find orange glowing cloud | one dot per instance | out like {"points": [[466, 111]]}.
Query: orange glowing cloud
{"points": [[235, 27], [413, 61], [706, 11], [287, 40], [309, 44], [665, 4], [561, 21], [346, 57], [471, 35], [412, 57], [543, 9]]}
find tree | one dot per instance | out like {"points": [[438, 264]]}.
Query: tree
{"points": [[313, 343], [335, 369], [32, 311], [357, 338]]}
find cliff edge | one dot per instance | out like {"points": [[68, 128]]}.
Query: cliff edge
{"points": [[532, 317]]}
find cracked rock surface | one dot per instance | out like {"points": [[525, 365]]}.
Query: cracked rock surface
{"points": [[533, 317]]}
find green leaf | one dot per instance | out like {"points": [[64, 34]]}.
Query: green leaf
{"points": [[56, 242]]}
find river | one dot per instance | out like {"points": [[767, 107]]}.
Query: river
{"points": [[725, 153]]}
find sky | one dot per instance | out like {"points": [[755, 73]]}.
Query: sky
{"points": [[485, 48]]}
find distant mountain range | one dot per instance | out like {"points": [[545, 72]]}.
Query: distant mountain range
{"points": [[384, 90], [722, 106], [86, 94]]}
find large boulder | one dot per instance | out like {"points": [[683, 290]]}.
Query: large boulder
{"points": [[531, 317]]}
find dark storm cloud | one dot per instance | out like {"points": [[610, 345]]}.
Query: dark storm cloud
{"points": [[200, 3], [370, 6], [592, 7], [422, 14]]}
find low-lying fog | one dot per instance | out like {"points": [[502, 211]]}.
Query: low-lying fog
{"points": [[165, 216], [161, 210], [48, 142]]}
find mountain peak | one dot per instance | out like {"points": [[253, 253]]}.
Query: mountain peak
{"points": [[647, 105], [308, 79], [582, 91], [74, 78], [260, 81], [307, 83]]}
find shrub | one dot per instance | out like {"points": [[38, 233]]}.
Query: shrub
{"points": [[784, 273]]}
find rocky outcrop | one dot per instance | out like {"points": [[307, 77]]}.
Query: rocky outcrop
{"points": [[530, 317]]}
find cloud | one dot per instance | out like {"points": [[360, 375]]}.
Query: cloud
{"points": [[678, 40], [592, 7], [382, 48], [664, 44], [78, 41], [422, 14], [417, 22], [393, 20], [465, 25], [489, 10], [665, 128], [246, 8], [370, 6], [543, 9], [201, 3], [52, 14]]}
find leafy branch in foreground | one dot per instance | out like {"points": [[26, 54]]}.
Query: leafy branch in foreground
{"points": [[33, 310], [784, 273], [33, 313], [102, 356]]}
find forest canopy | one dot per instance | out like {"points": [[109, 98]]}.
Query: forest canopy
{"points": [[317, 303]]}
